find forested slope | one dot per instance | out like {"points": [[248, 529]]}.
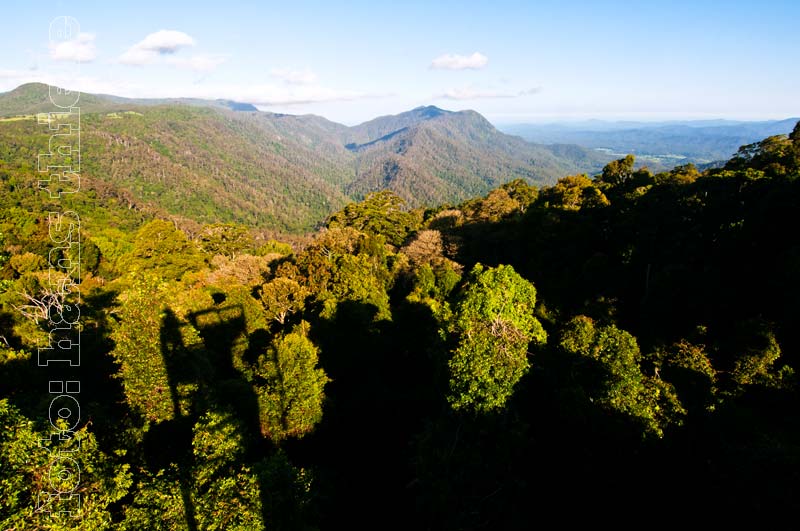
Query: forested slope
{"points": [[214, 160]]}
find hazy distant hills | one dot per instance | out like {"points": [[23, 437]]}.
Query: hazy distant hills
{"points": [[218, 160], [675, 142], [34, 97]]}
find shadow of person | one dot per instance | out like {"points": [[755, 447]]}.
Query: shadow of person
{"points": [[209, 376], [224, 334], [171, 441]]}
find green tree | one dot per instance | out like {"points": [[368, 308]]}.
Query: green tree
{"points": [[274, 247], [759, 352], [71, 462], [679, 175], [617, 382], [493, 325], [775, 156], [156, 503], [145, 358], [618, 171], [521, 192], [164, 250], [346, 265], [290, 386], [687, 366], [226, 491], [379, 213], [573, 192], [27, 263], [497, 205], [88, 255], [227, 239], [282, 297], [432, 287]]}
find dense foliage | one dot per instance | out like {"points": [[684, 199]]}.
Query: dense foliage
{"points": [[625, 340]]}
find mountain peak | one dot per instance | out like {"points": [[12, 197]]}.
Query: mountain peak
{"points": [[29, 87], [429, 111], [25, 99], [31, 98]]}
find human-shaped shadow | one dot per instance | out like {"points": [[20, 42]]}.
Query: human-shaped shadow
{"points": [[175, 356], [203, 377], [224, 333]]}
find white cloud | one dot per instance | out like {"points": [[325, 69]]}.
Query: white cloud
{"points": [[460, 62], [79, 50], [469, 93], [162, 46], [148, 50], [137, 57], [165, 42], [294, 77]]}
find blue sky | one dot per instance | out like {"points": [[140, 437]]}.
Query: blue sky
{"points": [[511, 61]]}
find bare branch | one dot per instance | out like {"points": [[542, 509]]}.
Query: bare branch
{"points": [[49, 302]]}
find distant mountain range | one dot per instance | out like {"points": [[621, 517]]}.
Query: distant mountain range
{"points": [[657, 143], [219, 160], [33, 98]]}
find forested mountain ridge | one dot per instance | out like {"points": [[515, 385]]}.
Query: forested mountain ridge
{"points": [[220, 160], [192, 162], [34, 97], [624, 340], [428, 154]]}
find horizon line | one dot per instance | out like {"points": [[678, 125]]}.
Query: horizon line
{"points": [[504, 119]]}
